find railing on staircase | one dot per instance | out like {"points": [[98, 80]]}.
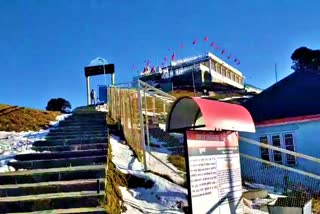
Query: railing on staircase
{"points": [[143, 120]]}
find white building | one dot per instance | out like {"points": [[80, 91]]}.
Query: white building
{"points": [[212, 68]]}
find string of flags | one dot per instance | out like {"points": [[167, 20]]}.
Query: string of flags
{"points": [[212, 44]]}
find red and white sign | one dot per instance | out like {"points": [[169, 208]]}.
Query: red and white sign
{"points": [[214, 172]]}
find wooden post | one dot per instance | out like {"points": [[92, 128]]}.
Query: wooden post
{"points": [[154, 106]]}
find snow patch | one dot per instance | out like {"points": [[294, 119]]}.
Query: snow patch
{"points": [[12, 143], [163, 197]]}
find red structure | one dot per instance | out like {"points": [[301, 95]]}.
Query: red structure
{"points": [[212, 156]]}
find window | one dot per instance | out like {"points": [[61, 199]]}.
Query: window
{"points": [[217, 68], [277, 156], [213, 65], [228, 74], [285, 141], [223, 73], [264, 151], [288, 142], [223, 70]]}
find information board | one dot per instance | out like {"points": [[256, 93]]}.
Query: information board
{"points": [[98, 70], [214, 172]]}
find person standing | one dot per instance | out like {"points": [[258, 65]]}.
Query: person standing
{"points": [[93, 97]]}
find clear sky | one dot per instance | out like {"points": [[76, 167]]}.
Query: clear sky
{"points": [[45, 45]]}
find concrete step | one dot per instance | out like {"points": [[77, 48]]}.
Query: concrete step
{"points": [[65, 142], [53, 174], [52, 187], [84, 131], [83, 210], [81, 123], [93, 127], [56, 163], [49, 201], [80, 137], [60, 155], [76, 135], [73, 147], [90, 119]]}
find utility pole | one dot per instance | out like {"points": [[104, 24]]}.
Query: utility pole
{"points": [[193, 84], [275, 71], [194, 89]]}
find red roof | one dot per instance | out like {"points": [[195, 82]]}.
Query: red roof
{"points": [[289, 120], [205, 114]]}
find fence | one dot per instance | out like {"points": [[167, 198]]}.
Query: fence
{"points": [[138, 104], [299, 179], [123, 108], [141, 110]]}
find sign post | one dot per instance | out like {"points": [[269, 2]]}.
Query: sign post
{"points": [[211, 151], [214, 172]]}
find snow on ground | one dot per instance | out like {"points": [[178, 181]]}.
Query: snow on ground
{"points": [[103, 108], [12, 143], [163, 197], [259, 205], [158, 162], [235, 97]]}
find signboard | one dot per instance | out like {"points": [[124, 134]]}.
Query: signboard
{"points": [[214, 172], [98, 69]]}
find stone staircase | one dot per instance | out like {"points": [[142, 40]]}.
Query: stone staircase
{"points": [[68, 176]]}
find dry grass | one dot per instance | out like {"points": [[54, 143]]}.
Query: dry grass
{"points": [[114, 201], [316, 206], [14, 118], [178, 161], [182, 93]]}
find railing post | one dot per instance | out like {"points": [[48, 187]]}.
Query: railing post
{"points": [[154, 106], [142, 135], [147, 122]]}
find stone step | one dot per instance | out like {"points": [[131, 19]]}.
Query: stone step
{"points": [[89, 113], [85, 119], [55, 163], [58, 155], [49, 201], [53, 174], [81, 123], [64, 142], [51, 187], [84, 137], [70, 127], [75, 135], [84, 131], [73, 147], [83, 210]]}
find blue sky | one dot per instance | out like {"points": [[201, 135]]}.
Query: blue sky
{"points": [[45, 45]]}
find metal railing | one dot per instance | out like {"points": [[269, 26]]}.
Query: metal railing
{"points": [[297, 180], [141, 120]]}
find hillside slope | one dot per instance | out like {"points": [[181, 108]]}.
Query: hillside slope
{"points": [[15, 118]]}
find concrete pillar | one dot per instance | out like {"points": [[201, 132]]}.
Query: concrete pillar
{"points": [[88, 90], [112, 79]]}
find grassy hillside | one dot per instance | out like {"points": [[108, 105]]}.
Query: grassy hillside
{"points": [[15, 118]]}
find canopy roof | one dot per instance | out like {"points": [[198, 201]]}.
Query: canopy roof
{"points": [[204, 114]]}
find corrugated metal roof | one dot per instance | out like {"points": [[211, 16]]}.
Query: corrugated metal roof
{"points": [[296, 95]]}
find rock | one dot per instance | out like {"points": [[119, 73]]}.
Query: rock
{"points": [[253, 194]]}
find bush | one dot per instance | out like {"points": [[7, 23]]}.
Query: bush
{"points": [[59, 104]]}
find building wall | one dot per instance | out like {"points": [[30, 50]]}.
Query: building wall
{"points": [[306, 141]]}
